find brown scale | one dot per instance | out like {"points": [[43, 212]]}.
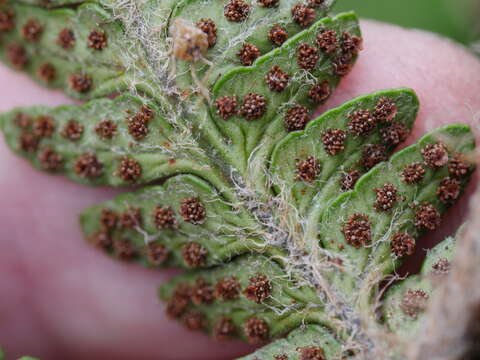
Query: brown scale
{"points": [[66, 39], [385, 110], [296, 118], [28, 142], [311, 353], [193, 210], [44, 126], [357, 230], [394, 134], [50, 160], [333, 140], [276, 79], [106, 129], [303, 15], [97, 40], [227, 289], [81, 83], [248, 53], [224, 329], [435, 155], [179, 301], [413, 173], [307, 56], [17, 55], [129, 169], [194, 320], [277, 35], [308, 169], [156, 253], [258, 289], [194, 254], [226, 106], [268, 3], [101, 239], [72, 130], [108, 219], [124, 249], [414, 302], [202, 292], [372, 154], [253, 107], [386, 198], [448, 190], [349, 179], [88, 166], [131, 218], [427, 217], [319, 92], [361, 122], [236, 10], [32, 30], [164, 218], [327, 41], [402, 244], [7, 20], [210, 29], [458, 167], [256, 330], [22, 120]]}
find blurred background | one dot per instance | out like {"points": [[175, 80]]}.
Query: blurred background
{"points": [[456, 19]]}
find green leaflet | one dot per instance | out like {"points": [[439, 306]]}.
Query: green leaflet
{"points": [[153, 225], [406, 301], [308, 339], [253, 138], [415, 208], [248, 287]]}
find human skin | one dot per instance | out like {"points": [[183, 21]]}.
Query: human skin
{"points": [[61, 299]]}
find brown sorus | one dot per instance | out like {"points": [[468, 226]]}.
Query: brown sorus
{"points": [[385, 110], [441, 267], [97, 40], [210, 29], [296, 118], [258, 289], [88, 166], [156, 253], [327, 41], [194, 254], [124, 249], [357, 230], [394, 134], [28, 142], [319, 92], [236, 10], [276, 79], [17, 55], [414, 302], [224, 329], [361, 122], [164, 218], [101, 239], [106, 129], [49, 159], [448, 190], [435, 155], [280, 357], [108, 219], [333, 140], [307, 56], [458, 167], [372, 154], [386, 197], [81, 83], [253, 107], [277, 35], [44, 126], [193, 210], [22, 120], [137, 126], [72, 130], [308, 169], [311, 353], [226, 106], [202, 292], [129, 169], [349, 179], [315, 3], [32, 30], [402, 244], [179, 301], [66, 39], [131, 218], [342, 65], [7, 20], [351, 44], [303, 15], [256, 330], [268, 3], [427, 217], [47, 72], [413, 173], [194, 320], [248, 53], [227, 289]]}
